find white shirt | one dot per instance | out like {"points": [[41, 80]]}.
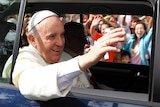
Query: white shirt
{"points": [[38, 80]]}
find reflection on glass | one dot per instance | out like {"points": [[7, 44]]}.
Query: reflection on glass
{"points": [[8, 20], [93, 103]]}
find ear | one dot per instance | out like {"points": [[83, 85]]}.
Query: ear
{"points": [[31, 40]]}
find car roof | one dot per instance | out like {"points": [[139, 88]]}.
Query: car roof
{"points": [[143, 7], [94, 6]]}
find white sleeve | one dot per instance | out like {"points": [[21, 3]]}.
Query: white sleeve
{"points": [[66, 76], [48, 82]]}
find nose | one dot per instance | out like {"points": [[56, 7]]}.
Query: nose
{"points": [[60, 41]]}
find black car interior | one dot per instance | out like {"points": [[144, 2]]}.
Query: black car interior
{"points": [[122, 77]]}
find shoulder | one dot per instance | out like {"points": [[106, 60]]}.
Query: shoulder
{"points": [[65, 56]]}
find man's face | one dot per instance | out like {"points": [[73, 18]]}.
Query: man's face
{"points": [[50, 41]]}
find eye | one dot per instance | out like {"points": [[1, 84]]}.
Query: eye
{"points": [[50, 37], [62, 35]]}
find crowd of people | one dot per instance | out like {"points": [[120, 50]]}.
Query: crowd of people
{"points": [[137, 39]]}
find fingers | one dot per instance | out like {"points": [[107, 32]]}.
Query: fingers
{"points": [[114, 41], [113, 49], [107, 43], [113, 37], [118, 32]]}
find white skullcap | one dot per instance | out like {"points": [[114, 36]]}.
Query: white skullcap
{"points": [[38, 17]]}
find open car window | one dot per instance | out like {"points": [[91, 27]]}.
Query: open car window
{"points": [[117, 76], [110, 75]]}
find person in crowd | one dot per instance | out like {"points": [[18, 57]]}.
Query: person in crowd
{"points": [[91, 27], [38, 74], [113, 20], [149, 49], [74, 34], [125, 57], [148, 20], [124, 22], [75, 41], [98, 29], [96, 22], [138, 44], [72, 18], [87, 20], [133, 23], [150, 29], [117, 57], [24, 41], [105, 28], [102, 28]]}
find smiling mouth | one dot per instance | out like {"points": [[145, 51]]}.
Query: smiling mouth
{"points": [[56, 50]]}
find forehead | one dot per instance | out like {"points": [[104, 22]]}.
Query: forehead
{"points": [[50, 25], [105, 25], [139, 25]]}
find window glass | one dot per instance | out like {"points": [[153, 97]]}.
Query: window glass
{"points": [[8, 19]]}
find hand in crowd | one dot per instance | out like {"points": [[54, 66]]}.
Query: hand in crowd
{"points": [[96, 20]]}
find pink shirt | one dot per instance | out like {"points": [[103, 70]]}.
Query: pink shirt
{"points": [[135, 53]]}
